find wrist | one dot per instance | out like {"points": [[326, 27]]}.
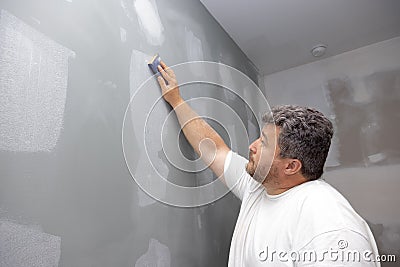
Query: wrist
{"points": [[176, 102]]}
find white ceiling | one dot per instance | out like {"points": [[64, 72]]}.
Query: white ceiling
{"points": [[279, 34]]}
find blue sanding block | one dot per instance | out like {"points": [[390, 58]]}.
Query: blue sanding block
{"points": [[154, 63]]}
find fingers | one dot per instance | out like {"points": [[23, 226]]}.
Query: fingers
{"points": [[163, 73], [162, 83], [163, 64], [167, 69]]}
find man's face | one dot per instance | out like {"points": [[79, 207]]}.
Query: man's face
{"points": [[262, 154]]}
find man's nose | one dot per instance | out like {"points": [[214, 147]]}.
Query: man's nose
{"points": [[252, 147]]}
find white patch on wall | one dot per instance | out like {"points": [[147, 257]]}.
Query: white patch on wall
{"points": [[25, 246], [332, 160], [193, 46], [149, 21], [226, 81], [139, 72], [194, 50], [375, 158], [144, 199], [157, 255], [125, 7], [122, 32], [254, 107], [361, 94], [33, 84]]}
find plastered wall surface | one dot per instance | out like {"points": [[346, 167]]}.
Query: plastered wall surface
{"points": [[68, 70], [360, 91]]}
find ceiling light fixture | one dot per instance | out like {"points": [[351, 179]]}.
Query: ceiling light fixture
{"points": [[318, 50]]}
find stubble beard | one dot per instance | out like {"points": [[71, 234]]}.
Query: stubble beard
{"points": [[256, 171], [260, 173], [250, 166]]}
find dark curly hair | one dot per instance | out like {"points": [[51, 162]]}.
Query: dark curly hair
{"points": [[305, 135]]}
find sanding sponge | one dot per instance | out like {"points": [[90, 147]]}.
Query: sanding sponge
{"points": [[154, 63]]}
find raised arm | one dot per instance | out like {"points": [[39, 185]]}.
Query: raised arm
{"points": [[202, 137]]}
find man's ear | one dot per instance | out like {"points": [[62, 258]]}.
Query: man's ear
{"points": [[292, 166]]}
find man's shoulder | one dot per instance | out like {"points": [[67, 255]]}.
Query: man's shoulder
{"points": [[318, 192], [323, 208]]}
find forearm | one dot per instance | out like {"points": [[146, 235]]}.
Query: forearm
{"points": [[206, 142]]}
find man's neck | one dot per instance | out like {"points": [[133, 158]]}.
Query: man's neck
{"points": [[275, 191], [279, 188]]}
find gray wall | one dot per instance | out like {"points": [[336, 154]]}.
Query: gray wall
{"points": [[67, 72], [360, 91]]}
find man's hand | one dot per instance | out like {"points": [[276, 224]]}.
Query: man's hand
{"points": [[170, 90]]}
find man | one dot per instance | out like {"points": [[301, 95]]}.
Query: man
{"points": [[288, 216]]}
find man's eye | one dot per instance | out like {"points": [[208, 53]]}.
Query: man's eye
{"points": [[263, 143]]}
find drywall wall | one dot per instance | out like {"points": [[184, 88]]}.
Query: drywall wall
{"points": [[360, 91], [68, 70]]}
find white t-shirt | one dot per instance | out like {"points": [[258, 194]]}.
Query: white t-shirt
{"points": [[311, 224]]}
